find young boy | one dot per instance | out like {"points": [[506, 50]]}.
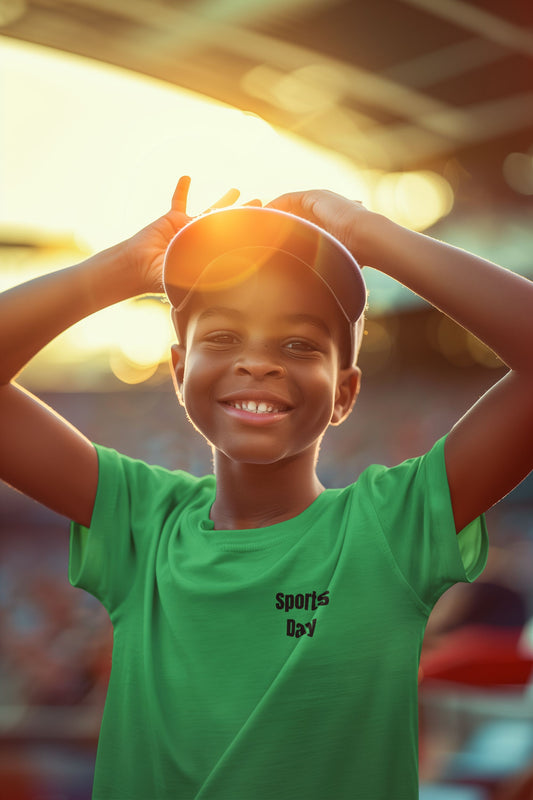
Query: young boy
{"points": [[267, 631]]}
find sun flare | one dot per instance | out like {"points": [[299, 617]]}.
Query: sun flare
{"points": [[95, 152]]}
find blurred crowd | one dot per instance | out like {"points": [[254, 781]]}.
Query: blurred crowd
{"points": [[55, 641]]}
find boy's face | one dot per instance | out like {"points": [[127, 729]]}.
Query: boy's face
{"points": [[259, 373]]}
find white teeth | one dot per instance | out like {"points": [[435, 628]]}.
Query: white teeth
{"points": [[255, 408]]}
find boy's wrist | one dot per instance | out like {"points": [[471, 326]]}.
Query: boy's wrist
{"points": [[369, 231], [98, 282], [117, 271]]}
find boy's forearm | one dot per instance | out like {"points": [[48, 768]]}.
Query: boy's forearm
{"points": [[33, 314], [496, 305]]}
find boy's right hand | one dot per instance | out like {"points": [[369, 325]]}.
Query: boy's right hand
{"points": [[145, 251], [37, 447]]}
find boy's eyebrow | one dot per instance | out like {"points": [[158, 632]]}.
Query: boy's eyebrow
{"points": [[214, 310], [310, 319]]}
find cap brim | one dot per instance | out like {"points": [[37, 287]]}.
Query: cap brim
{"points": [[196, 246]]}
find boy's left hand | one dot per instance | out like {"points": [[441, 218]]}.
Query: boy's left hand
{"points": [[343, 218]]}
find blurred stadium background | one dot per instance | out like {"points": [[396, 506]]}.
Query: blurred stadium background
{"points": [[423, 110]]}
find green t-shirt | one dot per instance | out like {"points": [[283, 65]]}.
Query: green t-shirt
{"points": [[278, 663]]}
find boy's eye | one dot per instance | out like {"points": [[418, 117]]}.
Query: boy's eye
{"points": [[299, 346], [221, 338]]}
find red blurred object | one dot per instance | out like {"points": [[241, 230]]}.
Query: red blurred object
{"points": [[478, 655], [15, 783]]}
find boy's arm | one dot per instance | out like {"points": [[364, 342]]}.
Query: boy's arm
{"points": [[490, 450], [41, 454]]}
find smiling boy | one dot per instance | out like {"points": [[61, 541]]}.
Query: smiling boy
{"points": [[266, 356], [267, 630]]}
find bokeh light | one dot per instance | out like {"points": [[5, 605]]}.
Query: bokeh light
{"points": [[378, 345], [415, 199], [518, 172], [143, 332], [458, 346], [129, 373], [306, 90], [134, 337]]}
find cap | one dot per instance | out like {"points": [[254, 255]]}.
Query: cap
{"points": [[215, 250]]}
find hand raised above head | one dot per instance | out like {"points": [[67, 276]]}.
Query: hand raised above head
{"points": [[339, 216], [146, 249]]}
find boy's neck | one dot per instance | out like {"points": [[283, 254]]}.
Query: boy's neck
{"points": [[256, 495]]}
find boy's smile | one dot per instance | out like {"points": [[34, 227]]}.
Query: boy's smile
{"points": [[256, 408], [260, 370]]}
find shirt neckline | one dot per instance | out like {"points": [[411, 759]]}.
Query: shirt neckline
{"points": [[246, 539]]}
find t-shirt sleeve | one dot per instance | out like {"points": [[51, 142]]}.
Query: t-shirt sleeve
{"points": [[133, 500], [413, 505]]}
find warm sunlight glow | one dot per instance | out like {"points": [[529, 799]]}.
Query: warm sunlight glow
{"points": [[140, 329], [306, 90], [97, 150], [144, 333], [132, 338], [130, 373], [90, 153]]}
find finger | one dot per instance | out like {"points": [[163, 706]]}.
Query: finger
{"points": [[291, 202], [226, 200], [181, 194], [254, 202], [301, 204]]}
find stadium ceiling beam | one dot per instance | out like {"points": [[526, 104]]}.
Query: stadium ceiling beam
{"points": [[477, 20], [182, 33], [163, 40]]}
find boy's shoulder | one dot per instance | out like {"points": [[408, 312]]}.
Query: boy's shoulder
{"points": [[430, 463], [117, 468]]}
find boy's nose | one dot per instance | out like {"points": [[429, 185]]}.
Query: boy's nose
{"points": [[260, 362]]}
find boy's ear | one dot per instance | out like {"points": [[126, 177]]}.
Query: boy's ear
{"points": [[177, 352], [348, 385]]}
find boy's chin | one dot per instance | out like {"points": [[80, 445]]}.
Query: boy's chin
{"points": [[260, 456], [244, 457]]}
